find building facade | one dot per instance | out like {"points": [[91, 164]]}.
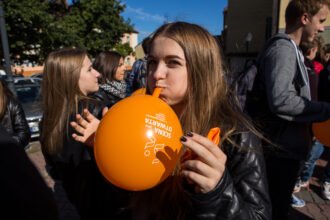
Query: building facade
{"points": [[247, 26], [132, 40]]}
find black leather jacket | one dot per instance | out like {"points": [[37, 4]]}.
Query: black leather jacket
{"points": [[15, 122], [106, 98], [75, 167], [242, 193], [73, 152], [243, 190]]}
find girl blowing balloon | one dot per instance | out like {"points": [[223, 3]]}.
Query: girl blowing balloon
{"points": [[225, 181]]}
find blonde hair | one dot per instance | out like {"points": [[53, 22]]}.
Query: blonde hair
{"points": [[60, 95]]}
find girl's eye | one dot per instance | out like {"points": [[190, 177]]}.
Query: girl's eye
{"points": [[173, 62]]}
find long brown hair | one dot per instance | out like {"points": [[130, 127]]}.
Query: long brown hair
{"points": [[3, 100], [208, 103], [5, 94], [107, 63], [60, 95], [208, 98]]}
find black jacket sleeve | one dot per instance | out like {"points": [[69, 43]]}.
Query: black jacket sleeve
{"points": [[242, 192], [19, 123]]}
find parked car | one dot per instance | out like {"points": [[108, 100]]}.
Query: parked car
{"points": [[36, 75], [28, 92], [4, 76]]}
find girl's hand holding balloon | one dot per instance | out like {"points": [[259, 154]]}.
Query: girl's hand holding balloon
{"points": [[206, 169], [86, 127]]}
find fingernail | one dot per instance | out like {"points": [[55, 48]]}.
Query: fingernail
{"points": [[183, 139], [189, 134]]}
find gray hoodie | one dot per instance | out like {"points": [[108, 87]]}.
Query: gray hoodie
{"points": [[285, 111]]}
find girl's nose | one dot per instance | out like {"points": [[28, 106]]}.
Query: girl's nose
{"points": [[96, 73], [159, 72]]}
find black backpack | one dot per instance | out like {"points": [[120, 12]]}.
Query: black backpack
{"points": [[243, 84]]}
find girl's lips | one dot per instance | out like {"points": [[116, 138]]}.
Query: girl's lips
{"points": [[160, 86]]}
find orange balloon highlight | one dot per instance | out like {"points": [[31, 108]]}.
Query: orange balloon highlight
{"points": [[137, 144], [321, 131]]}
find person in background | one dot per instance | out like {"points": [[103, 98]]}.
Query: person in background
{"points": [[309, 50], [12, 116], [23, 192], [224, 181], [307, 172], [68, 80], [319, 60], [113, 88], [138, 76], [285, 111], [317, 150], [326, 55]]}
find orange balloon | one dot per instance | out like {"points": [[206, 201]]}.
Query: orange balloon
{"points": [[321, 131], [137, 144], [214, 135], [141, 91]]}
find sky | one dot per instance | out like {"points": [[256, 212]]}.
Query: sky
{"points": [[148, 15]]}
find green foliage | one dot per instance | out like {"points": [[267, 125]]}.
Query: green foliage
{"points": [[123, 49], [104, 24], [26, 27], [37, 27]]}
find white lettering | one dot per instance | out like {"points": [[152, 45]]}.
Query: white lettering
{"points": [[158, 124], [162, 133]]}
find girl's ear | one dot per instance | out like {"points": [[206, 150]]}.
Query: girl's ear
{"points": [[314, 50], [327, 57], [305, 18]]}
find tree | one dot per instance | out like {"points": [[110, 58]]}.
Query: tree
{"points": [[104, 25], [66, 29], [123, 49], [37, 27], [26, 27]]}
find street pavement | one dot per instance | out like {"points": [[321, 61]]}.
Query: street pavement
{"points": [[316, 207]]}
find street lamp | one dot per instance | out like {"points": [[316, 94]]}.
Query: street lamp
{"points": [[5, 47]]}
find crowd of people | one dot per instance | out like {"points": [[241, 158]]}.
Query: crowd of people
{"points": [[266, 153]]}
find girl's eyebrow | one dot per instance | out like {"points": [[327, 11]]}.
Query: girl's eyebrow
{"points": [[169, 57], [174, 56]]}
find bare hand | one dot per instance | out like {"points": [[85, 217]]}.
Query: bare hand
{"points": [[85, 126], [206, 169]]}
